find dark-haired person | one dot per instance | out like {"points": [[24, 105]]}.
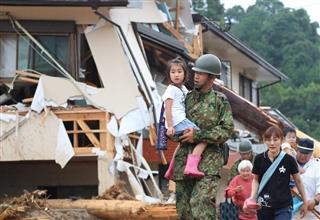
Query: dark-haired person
{"points": [[275, 198], [310, 176], [290, 137]]}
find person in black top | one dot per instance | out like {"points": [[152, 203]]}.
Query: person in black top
{"points": [[275, 198]]}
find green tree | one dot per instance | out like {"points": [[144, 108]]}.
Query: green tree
{"points": [[287, 39], [211, 9]]}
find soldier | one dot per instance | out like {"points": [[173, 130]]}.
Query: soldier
{"points": [[211, 112], [310, 176], [246, 153]]}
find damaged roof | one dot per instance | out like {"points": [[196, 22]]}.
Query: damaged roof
{"points": [[91, 3], [162, 40]]}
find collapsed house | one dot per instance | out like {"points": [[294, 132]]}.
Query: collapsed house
{"points": [[81, 83]]}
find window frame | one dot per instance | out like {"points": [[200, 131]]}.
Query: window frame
{"points": [[39, 28], [242, 80]]}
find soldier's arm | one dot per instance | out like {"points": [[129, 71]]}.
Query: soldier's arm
{"points": [[221, 132], [233, 172]]}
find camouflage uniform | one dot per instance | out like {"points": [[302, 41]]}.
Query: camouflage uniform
{"points": [[212, 113]]}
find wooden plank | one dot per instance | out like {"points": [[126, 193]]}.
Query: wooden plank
{"points": [[94, 140], [23, 73], [27, 100], [177, 14], [26, 79], [75, 135], [117, 209], [103, 135], [83, 151], [110, 141], [80, 116], [90, 131]]}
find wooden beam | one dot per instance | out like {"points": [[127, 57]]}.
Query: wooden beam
{"points": [[90, 131], [23, 73], [27, 100], [103, 135], [83, 151], [110, 140], [94, 140], [177, 14], [26, 79], [75, 135], [117, 209]]}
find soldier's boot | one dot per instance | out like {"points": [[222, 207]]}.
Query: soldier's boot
{"points": [[191, 168], [168, 174]]}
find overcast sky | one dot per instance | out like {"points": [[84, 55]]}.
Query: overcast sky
{"points": [[311, 6]]}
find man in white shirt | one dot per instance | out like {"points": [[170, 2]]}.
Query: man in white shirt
{"points": [[310, 175]]}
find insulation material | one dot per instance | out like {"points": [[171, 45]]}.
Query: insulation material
{"points": [[135, 120], [114, 70], [148, 14], [7, 117], [38, 139], [47, 93]]}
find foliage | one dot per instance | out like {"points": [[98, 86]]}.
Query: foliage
{"points": [[212, 9], [287, 39]]}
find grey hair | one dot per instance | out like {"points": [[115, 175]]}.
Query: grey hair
{"points": [[244, 164]]}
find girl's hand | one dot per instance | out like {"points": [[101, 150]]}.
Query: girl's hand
{"points": [[170, 131], [303, 210]]}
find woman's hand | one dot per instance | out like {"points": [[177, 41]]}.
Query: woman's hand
{"points": [[238, 188], [170, 131]]}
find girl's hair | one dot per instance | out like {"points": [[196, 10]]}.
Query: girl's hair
{"points": [[178, 60], [244, 164], [273, 131]]}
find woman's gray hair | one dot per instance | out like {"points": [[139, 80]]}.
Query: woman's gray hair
{"points": [[244, 164]]}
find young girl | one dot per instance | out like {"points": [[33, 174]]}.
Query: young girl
{"points": [[275, 198], [176, 121], [240, 189]]}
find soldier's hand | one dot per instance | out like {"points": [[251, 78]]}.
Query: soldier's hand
{"points": [[187, 136], [311, 204]]}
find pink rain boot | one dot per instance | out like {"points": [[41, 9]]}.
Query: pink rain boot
{"points": [[192, 166], [168, 174]]}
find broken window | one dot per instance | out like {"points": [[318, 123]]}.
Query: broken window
{"points": [[17, 53]]}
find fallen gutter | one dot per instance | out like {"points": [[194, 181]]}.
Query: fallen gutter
{"points": [[265, 86]]}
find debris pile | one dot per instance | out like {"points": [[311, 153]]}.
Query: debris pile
{"points": [[117, 192]]}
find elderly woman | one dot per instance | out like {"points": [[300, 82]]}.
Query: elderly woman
{"points": [[240, 189]]}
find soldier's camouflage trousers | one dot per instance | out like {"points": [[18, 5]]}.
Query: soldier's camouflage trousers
{"points": [[196, 198]]}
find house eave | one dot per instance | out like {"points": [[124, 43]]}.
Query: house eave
{"points": [[65, 3]]}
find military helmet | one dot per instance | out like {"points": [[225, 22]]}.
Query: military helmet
{"points": [[245, 146], [208, 63]]}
